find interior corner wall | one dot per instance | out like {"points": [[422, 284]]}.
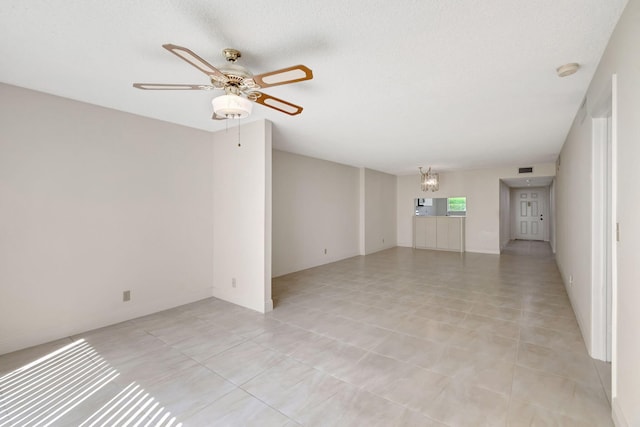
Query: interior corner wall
{"points": [[380, 198], [620, 58], [505, 214], [552, 215], [94, 202], [361, 219], [242, 209], [316, 206], [481, 187]]}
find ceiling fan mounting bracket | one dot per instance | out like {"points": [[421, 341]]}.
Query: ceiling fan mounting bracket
{"points": [[231, 55]]}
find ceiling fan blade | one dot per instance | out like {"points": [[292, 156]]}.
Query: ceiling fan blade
{"points": [[162, 86], [196, 61], [297, 73], [276, 104]]}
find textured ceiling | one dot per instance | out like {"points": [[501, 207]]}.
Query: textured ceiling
{"points": [[452, 84]]}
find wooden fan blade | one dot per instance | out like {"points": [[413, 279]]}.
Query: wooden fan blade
{"points": [[297, 73], [277, 104], [193, 59], [162, 86]]}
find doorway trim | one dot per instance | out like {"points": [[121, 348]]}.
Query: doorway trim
{"points": [[601, 239], [604, 218]]}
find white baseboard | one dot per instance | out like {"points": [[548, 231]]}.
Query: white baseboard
{"points": [[619, 419], [268, 305], [311, 263], [483, 251]]}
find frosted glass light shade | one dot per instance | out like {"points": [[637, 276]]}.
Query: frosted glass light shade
{"points": [[429, 181], [231, 106]]}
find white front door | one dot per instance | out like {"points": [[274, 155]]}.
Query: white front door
{"points": [[530, 213]]}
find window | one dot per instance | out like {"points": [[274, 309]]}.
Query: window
{"points": [[457, 204]]}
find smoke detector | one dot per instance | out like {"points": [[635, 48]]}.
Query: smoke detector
{"points": [[567, 69]]}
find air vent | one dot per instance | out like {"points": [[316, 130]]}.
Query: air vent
{"points": [[528, 169]]}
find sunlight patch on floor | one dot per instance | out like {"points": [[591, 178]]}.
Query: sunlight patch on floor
{"points": [[43, 391]]}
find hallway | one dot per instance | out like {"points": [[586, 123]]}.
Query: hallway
{"points": [[534, 248], [400, 337]]}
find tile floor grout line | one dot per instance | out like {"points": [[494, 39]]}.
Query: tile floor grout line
{"points": [[369, 285]]}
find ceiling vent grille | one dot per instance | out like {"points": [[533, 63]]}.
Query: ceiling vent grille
{"points": [[528, 169]]}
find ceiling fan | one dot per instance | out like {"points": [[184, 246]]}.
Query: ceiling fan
{"points": [[239, 84]]}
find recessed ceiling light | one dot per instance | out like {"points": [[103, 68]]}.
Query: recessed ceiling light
{"points": [[567, 69]]}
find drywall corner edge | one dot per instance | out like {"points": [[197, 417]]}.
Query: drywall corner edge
{"points": [[617, 415]]}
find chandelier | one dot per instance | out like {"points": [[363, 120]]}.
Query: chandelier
{"points": [[429, 180]]}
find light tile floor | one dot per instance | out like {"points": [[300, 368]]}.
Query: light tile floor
{"points": [[402, 337]]}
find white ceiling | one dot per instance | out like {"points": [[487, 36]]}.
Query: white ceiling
{"points": [[449, 84]]}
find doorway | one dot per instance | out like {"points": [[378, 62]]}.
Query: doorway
{"points": [[604, 236], [529, 213], [526, 200]]}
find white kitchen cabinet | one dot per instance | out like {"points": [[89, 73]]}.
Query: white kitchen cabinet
{"points": [[439, 232]]}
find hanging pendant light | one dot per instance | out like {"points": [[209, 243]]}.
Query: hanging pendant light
{"points": [[429, 181]]}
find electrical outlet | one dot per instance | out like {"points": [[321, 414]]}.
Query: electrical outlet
{"points": [[233, 282], [571, 280], [126, 296]]}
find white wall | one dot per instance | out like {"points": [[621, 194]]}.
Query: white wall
{"points": [[481, 187], [505, 214], [380, 226], [552, 216], [94, 202], [316, 206], [242, 215], [621, 57], [573, 219]]}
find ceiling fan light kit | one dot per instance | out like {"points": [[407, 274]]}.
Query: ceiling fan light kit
{"points": [[231, 107], [240, 85]]}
